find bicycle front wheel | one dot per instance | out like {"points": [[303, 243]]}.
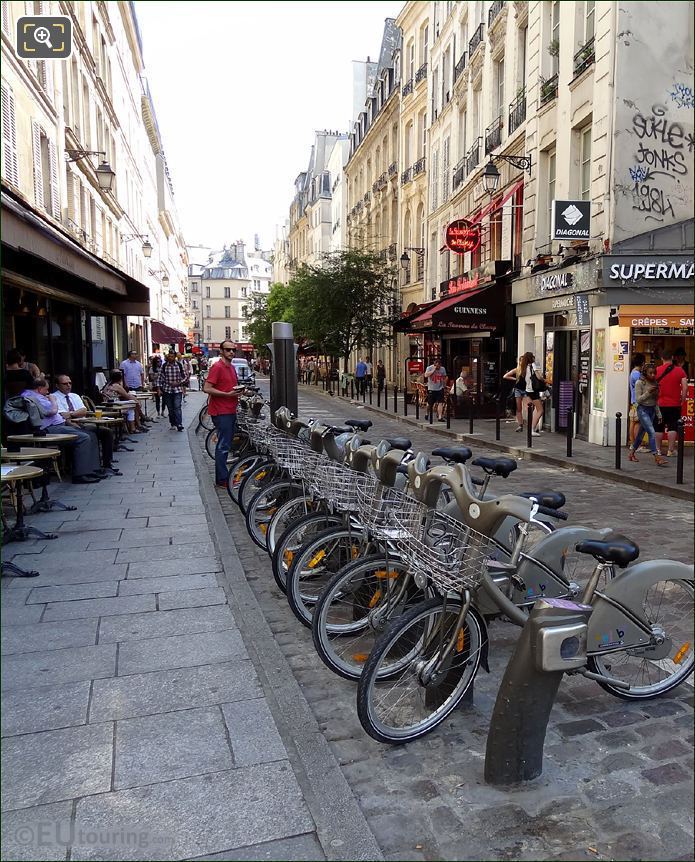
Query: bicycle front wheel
{"points": [[264, 505], [287, 515], [410, 704], [204, 420], [267, 473], [238, 472], [293, 540], [651, 671]]}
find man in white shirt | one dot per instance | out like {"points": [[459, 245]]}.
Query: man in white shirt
{"points": [[435, 376], [71, 406], [133, 372]]}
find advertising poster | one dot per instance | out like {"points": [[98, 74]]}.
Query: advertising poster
{"points": [[599, 400], [600, 348]]}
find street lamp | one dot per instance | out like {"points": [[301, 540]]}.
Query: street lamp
{"points": [[146, 245], [491, 175], [105, 173], [405, 259], [157, 272]]}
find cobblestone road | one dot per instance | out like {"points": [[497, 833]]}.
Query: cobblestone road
{"points": [[617, 780]]}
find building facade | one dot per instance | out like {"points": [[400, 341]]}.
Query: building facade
{"points": [[78, 247]]}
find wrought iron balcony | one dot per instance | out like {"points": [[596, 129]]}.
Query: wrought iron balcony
{"points": [[393, 170], [473, 156], [406, 176], [548, 90], [380, 183], [419, 166], [476, 39], [383, 254], [493, 135], [459, 173], [407, 88], [584, 57], [517, 111], [421, 73], [367, 199], [392, 251], [495, 10], [460, 66], [359, 206]]}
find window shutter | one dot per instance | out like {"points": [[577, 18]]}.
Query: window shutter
{"points": [[6, 18], [98, 236], [38, 173], [55, 187], [44, 72], [9, 137]]}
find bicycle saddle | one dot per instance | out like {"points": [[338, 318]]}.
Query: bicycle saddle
{"points": [[359, 424], [497, 466], [295, 426], [457, 454], [549, 499], [401, 443], [612, 549]]}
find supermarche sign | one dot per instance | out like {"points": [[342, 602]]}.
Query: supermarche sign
{"points": [[571, 220]]}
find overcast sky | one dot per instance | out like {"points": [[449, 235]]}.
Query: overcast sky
{"points": [[239, 89]]}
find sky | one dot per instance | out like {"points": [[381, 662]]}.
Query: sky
{"points": [[239, 89]]}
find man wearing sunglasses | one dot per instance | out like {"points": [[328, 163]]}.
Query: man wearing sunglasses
{"points": [[221, 387]]}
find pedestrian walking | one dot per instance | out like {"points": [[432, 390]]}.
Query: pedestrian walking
{"points": [[222, 387], [369, 373], [310, 371], [635, 372], [519, 392], [133, 372], [435, 375], [673, 391], [532, 380], [646, 398], [171, 381], [380, 376], [360, 375]]}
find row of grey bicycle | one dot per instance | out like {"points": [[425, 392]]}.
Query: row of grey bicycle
{"points": [[398, 565]]}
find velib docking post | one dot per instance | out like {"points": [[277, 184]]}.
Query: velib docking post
{"points": [[283, 384]]}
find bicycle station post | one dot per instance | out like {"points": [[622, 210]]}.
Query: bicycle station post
{"points": [[283, 382]]}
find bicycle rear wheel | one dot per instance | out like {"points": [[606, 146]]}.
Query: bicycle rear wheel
{"points": [[651, 671], [265, 474], [287, 515], [264, 505], [239, 470], [404, 707], [204, 420], [295, 538]]}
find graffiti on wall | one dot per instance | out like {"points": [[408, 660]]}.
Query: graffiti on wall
{"points": [[662, 158]]}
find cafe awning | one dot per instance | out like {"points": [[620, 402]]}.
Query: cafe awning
{"points": [[656, 315], [163, 334], [481, 310]]}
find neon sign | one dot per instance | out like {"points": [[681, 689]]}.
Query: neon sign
{"points": [[462, 236]]}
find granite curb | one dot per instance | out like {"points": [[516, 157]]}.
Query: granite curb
{"points": [[342, 829]]}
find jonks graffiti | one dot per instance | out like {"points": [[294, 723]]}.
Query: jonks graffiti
{"points": [[661, 153]]}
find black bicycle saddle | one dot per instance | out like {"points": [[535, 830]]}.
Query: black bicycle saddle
{"points": [[549, 499], [457, 454], [359, 424], [497, 466], [399, 443], [613, 549]]}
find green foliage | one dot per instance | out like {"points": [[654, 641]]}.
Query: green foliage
{"points": [[278, 307]]}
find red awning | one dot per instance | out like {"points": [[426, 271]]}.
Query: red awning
{"points": [[477, 310], [491, 207], [447, 303], [163, 334]]}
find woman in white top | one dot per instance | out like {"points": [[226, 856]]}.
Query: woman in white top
{"points": [[527, 370]]}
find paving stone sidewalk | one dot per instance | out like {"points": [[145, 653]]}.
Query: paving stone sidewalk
{"points": [[134, 723]]}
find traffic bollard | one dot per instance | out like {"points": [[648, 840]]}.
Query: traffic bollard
{"points": [[681, 451], [470, 415], [405, 400], [529, 426], [618, 439], [386, 396], [498, 418], [395, 398], [370, 396], [417, 405], [570, 430], [378, 396], [448, 412], [364, 394], [431, 406]]}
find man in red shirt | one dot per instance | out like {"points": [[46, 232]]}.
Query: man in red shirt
{"points": [[221, 387], [673, 390]]}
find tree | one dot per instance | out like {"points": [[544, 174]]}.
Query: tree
{"points": [[277, 307]]}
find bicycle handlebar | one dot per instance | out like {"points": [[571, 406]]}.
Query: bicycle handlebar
{"points": [[553, 513]]}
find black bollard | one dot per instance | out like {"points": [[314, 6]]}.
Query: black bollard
{"points": [[498, 417], [352, 390], [386, 396], [471, 407], [370, 396], [681, 451], [448, 412], [529, 426], [431, 408], [364, 394], [378, 396], [570, 430], [395, 398], [417, 404], [405, 400], [618, 438]]}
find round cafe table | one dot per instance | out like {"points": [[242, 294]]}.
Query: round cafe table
{"points": [[46, 440], [37, 453], [20, 532]]}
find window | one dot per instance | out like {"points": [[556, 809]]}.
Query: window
{"points": [[555, 35], [228, 332], [521, 56], [446, 173], [194, 287], [424, 38], [194, 304], [207, 291], [227, 292], [496, 234], [463, 119], [227, 311], [589, 14], [45, 171], [585, 164], [208, 333], [411, 60], [499, 86], [208, 311], [551, 165], [10, 161], [434, 197]]}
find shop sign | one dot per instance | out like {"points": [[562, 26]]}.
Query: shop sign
{"points": [[582, 307], [571, 220], [462, 236], [415, 366], [554, 281], [678, 270], [463, 285]]}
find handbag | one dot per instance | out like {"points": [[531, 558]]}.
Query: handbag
{"points": [[536, 384]]}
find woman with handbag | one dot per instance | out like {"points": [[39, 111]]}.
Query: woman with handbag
{"points": [[532, 383], [518, 392], [646, 397]]}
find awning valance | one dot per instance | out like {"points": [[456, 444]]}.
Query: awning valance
{"points": [[163, 334], [481, 309], [656, 315]]}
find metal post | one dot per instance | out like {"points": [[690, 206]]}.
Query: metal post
{"points": [[386, 396], [498, 417], [448, 412], [471, 407], [431, 407], [417, 404], [681, 451], [529, 425], [405, 400], [364, 394], [352, 390], [378, 396], [395, 398], [370, 394], [570, 430], [283, 391], [618, 438]]}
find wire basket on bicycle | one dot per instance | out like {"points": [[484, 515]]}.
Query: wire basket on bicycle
{"points": [[338, 484], [378, 506]]}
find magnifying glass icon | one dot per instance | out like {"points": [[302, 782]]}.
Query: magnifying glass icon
{"points": [[43, 36]]}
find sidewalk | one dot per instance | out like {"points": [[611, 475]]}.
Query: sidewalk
{"points": [[137, 723], [550, 448]]}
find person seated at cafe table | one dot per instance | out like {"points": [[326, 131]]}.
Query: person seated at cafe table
{"points": [[115, 391], [85, 462], [71, 406]]}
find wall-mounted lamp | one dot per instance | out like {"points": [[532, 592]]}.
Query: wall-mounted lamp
{"points": [[491, 175], [160, 272], [146, 246], [405, 259], [105, 173]]}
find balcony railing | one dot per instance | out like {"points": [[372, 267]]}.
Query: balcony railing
{"points": [[406, 176], [359, 206], [392, 251], [421, 73], [419, 166], [476, 40], [517, 111], [473, 156], [495, 10], [584, 57], [393, 170], [460, 66], [407, 88], [379, 183], [548, 89], [367, 199], [459, 174], [493, 135]]}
